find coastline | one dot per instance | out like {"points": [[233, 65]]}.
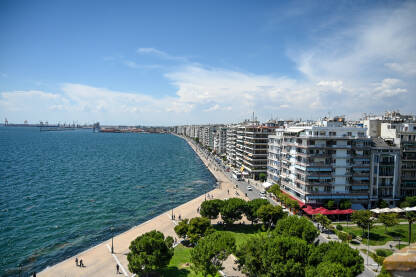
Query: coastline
{"points": [[98, 259]]}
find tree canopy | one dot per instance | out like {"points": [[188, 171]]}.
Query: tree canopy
{"points": [[270, 214], [363, 219], [298, 227], [326, 269], [252, 207], [199, 227], [273, 256], [211, 251], [211, 208], [336, 252], [149, 252], [232, 210], [323, 220], [182, 228], [388, 219]]}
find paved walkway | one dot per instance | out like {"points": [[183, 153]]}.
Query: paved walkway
{"points": [[99, 261]]}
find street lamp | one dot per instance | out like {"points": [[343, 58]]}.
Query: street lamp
{"points": [[20, 270], [112, 240]]}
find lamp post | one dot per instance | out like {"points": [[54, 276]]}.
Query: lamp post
{"points": [[368, 241], [20, 270], [112, 240]]}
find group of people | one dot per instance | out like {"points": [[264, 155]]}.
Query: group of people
{"points": [[80, 264], [174, 217]]}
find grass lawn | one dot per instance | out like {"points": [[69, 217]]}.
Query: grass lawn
{"points": [[379, 235], [178, 264], [241, 233]]}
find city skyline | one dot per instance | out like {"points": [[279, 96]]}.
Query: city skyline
{"points": [[187, 63]]}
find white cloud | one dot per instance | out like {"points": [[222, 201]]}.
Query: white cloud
{"points": [[389, 87], [160, 54], [4, 75]]}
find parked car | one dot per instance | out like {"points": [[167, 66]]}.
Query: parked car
{"points": [[249, 188]]}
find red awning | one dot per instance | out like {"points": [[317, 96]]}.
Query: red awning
{"points": [[321, 210], [301, 204]]}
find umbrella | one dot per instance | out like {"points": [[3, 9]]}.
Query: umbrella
{"points": [[385, 210], [376, 210], [397, 210], [410, 209]]}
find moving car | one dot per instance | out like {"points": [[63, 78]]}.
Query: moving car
{"points": [[249, 188]]}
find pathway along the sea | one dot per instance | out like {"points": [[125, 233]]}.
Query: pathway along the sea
{"points": [[99, 261]]}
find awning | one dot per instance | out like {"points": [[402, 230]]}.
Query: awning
{"points": [[301, 204], [266, 185], [410, 209], [321, 210]]}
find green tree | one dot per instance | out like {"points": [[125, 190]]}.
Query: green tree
{"points": [[323, 220], [232, 210], [411, 200], [262, 177], [345, 204], [211, 208], [211, 251], [411, 217], [197, 228], [336, 252], [182, 228], [326, 269], [252, 207], [298, 227], [275, 189], [149, 252], [388, 219], [270, 214], [363, 219], [382, 204], [330, 204], [267, 255]]}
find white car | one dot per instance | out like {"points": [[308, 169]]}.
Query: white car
{"points": [[249, 188]]}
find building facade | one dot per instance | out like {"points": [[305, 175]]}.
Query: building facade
{"points": [[328, 161]]}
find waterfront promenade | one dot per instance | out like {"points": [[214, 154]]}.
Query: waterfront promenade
{"points": [[99, 261]]}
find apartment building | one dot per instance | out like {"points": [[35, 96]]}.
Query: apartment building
{"points": [[220, 140], [317, 163], [231, 142], [384, 172], [251, 148], [403, 135]]}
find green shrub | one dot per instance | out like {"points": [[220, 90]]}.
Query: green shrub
{"points": [[383, 252], [339, 227]]}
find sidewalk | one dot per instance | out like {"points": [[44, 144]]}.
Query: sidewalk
{"points": [[100, 262]]}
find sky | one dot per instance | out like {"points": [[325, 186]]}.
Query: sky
{"points": [[199, 62]]}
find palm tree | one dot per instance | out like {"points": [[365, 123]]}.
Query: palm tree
{"points": [[411, 217]]}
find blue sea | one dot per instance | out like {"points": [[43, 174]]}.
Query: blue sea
{"points": [[61, 192]]}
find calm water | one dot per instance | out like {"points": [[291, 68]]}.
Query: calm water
{"points": [[62, 191]]}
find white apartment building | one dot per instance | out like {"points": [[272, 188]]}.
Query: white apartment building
{"points": [[220, 140], [317, 163], [231, 141], [251, 148]]}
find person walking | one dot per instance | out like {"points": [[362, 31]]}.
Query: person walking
{"points": [[76, 261], [118, 268], [81, 263]]}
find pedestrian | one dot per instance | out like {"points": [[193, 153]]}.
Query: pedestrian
{"points": [[34, 274], [76, 261], [228, 191], [81, 263], [118, 268]]}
